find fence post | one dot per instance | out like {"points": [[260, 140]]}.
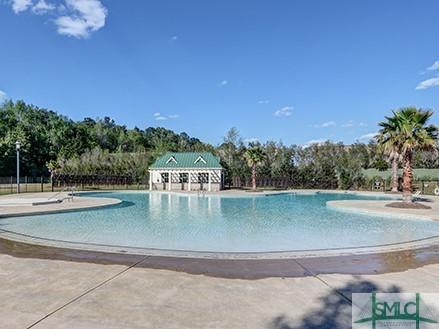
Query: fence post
{"points": [[12, 187], [42, 184]]}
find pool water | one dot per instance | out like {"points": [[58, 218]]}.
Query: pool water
{"points": [[283, 222]]}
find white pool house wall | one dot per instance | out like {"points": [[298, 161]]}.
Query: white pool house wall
{"points": [[186, 179]]}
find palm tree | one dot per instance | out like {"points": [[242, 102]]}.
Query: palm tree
{"points": [[53, 166], [254, 157], [390, 143], [409, 126]]}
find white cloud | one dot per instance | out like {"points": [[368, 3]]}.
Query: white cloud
{"points": [[174, 38], [428, 83], [434, 66], [263, 101], [86, 16], [160, 117], [223, 83], [348, 124], [79, 18], [351, 123], [42, 7], [367, 137], [326, 124], [2, 95], [284, 112], [20, 5], [314, 141]]}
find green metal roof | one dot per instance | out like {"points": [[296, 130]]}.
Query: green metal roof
{"points": [[179, 160]]}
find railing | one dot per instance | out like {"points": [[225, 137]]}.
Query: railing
{"points": [[70, 193]]}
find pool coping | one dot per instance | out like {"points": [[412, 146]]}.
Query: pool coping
{"points": [[293, 254], [251, 269]]}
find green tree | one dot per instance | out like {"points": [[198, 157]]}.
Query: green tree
{"points": [[254, 157], [47, 136], [349, 171], [380, 165], [410, 125], [231, 152], [390, 144]]}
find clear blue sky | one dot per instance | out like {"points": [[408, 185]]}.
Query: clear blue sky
{"points": [[284, 70]]}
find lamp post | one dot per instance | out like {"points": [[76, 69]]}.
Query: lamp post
{"points": [[17, 147]]}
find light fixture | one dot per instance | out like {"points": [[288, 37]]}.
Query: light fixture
{"points": [[17, 147]]}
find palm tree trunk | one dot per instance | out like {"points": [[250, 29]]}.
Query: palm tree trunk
{"points": [[394, 174], [407, 177], [254, 177], [51, 181]]}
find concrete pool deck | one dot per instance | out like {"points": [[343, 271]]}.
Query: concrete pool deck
{"points": [[21, 204], [70, 293], [378, 207]]}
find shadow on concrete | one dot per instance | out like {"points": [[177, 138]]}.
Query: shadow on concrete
{"points": [[334, 310]]}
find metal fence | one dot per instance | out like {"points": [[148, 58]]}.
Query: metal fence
{"points": [[427, 187], [281, 183], [8, 185], [99, 182]]}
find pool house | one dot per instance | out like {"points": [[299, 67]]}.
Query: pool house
{"points": [[186, 171]]}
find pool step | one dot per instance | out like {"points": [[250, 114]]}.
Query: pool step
{"points": [[42, 203]]}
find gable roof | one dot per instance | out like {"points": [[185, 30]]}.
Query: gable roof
{"points": [[187, 160]]}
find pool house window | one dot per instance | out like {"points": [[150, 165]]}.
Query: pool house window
{"points": [[165, 177], [203, 178], [184, 177]]}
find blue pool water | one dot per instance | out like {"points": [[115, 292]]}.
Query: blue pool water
{"points": [[283, 222]]}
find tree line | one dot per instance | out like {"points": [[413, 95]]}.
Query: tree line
{"points": [[48, 138], [54, 143], [401, 136]]}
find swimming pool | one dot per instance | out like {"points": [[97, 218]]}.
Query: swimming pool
{"points": [[282, 222]]}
